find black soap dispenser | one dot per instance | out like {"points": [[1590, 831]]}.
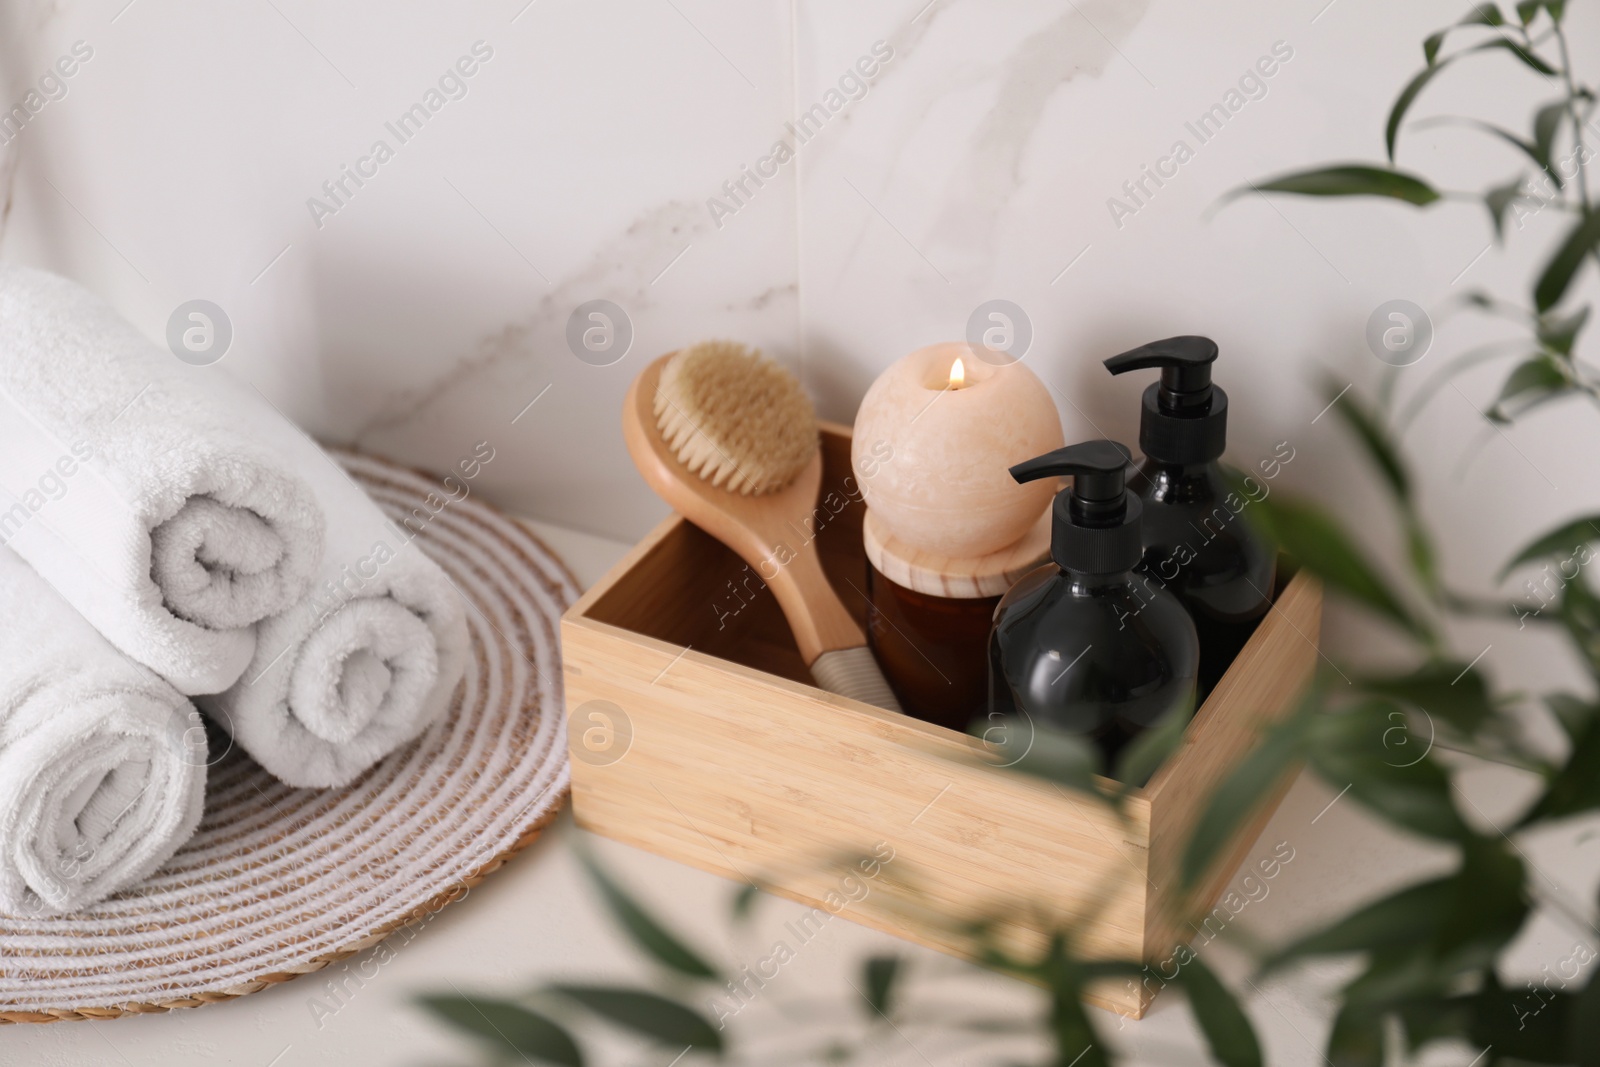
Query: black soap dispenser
{"points": [[1196, 542], [1083, 644]]}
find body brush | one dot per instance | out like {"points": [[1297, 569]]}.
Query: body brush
{"points": [[729, 439]]}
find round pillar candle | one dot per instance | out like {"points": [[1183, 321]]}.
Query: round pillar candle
{"points": [[934, 440]]}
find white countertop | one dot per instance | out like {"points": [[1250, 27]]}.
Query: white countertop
{"points": [[536, 920]]}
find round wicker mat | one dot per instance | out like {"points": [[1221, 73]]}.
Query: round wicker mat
{"points": [[280, 882]]}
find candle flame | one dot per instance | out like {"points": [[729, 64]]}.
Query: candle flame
{"points": [[958, 374]]}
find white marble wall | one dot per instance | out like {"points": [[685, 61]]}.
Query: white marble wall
{"points": [[974, 160], [430, 308]]}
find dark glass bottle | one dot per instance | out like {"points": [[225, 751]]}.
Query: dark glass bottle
{"points": [[1197, 542], [1085, 644], [1115, 656]]}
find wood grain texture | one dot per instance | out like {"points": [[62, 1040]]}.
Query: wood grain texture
{"points": [[1261, 686], [947, 576], [773, 532], [762, 779], [738, 766]]}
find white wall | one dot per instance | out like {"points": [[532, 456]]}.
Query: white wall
{"points": [[431, 309]]}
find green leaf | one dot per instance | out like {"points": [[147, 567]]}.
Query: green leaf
{"points": [[1381, 450], [1580, 614], [1419, 551], [1572, 712], [1583, 1034], [1146, 754], [1530, 380], [509, 1027], [1564, 541], [1520, 1025], [1072, 1030], [1453, 692], [1563, 266], [1356, 1040], [1432, 1019], [1075, 1040], [1430, 46], [744, 902], [1525, 147], [646, 1013], [1527, 9], [1559, 332], [1354, 748], [646, 932], [1228, 1032], [1395, 976], [878, 974], [1529, 59], [1319, 544], [1488, 906], [1414, 87], [1407, 97], [1355, 414], [1245, 787], [1575, 788], [1482, 15], [1546, 124], [1499, 200], [1038, 750], [1408, 917], [1353, 179]]}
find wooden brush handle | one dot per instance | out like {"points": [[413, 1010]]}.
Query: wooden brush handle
{"points": [[831, 643], [767, 531], [819, 621]]}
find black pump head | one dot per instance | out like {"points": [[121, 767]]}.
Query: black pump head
{"points": [[1185, 364], [1095, 523], [1185, 417], [1098, 469]]}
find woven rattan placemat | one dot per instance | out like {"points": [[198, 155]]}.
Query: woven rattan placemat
{"points": [[279, 882]]}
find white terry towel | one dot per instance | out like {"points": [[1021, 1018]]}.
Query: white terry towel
{"points": [[135, 484], [365, 663], [102, 764]]}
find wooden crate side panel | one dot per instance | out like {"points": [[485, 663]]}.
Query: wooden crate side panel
{"points": [[617, 576], [1271, 674], [765, 780]]}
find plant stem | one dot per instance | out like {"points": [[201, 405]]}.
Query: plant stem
{"points": [[1582, 177], [1462, 748], [1572, 113], [1482, 607]]}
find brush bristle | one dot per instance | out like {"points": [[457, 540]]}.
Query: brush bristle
{"points": [[735, 418]]}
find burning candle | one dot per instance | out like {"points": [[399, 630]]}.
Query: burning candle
{"points": [[934, 441]]}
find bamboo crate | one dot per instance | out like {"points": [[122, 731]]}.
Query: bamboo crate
{"points": [[697, 735]]}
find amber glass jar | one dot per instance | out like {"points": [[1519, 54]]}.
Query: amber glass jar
{"points": [[931, 649], [928, 620]]}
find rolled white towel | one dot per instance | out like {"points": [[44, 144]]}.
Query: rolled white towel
{"points": [[102, 764], [365, 663], [137, 486]]}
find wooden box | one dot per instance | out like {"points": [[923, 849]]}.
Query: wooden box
{"points": [[696, 734]]}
